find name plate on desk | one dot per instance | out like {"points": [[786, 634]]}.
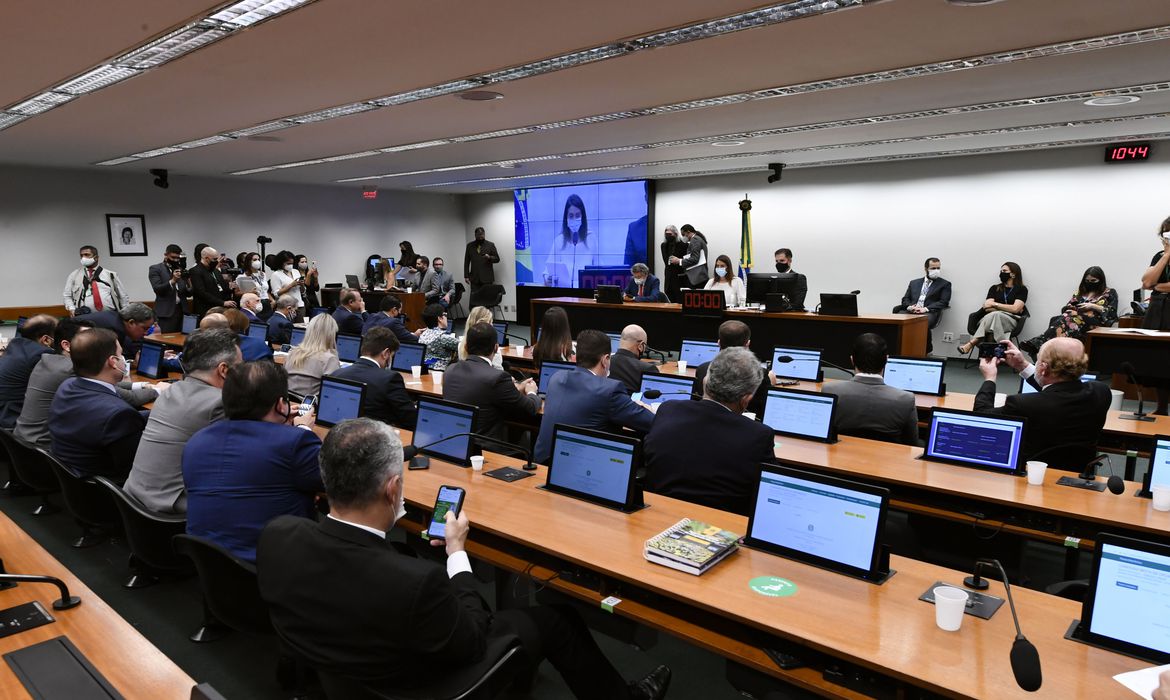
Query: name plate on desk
{"points": [[703, 302]]}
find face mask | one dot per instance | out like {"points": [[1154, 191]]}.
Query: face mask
{"points": [[1004, 277], [401, 512], [88, 262], [288, 267], [782, 267], [438, 268], [720, 271], [574, 225], [255, 264], [304, 266], [125, 368], [933, 274], [1092, 283]]}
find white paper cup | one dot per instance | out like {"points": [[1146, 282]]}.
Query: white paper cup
{"points": [[518, 347], [416, 371], [477, 463], [437, 377], [749, 415], [1115, 403], [1036, 472], [682, 366], [1161, 497], [949, 606]]}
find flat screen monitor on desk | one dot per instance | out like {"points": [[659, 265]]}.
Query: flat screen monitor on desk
{"points": [[673, 388], [761, 284], [297, 336], [349, 347], [615, 342], [258, 329], [696, 352], [595, 466], [822, 520], [190, 323], [409, 355], [803, 414], [975, 440], [547, 369], [353, 282], [918, 375], [438, 419], [1026, 388], [341, 399], [1159, 472], [501, 332], [797, 363], [150, 360], [1128, 603]]}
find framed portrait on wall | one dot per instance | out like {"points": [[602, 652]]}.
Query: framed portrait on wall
{"points": [[127, 234]]}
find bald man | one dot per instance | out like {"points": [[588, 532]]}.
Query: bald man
{"points": [[624, 365], [208, 287], [1065, 411]]}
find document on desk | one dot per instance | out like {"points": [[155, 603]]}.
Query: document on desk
{"points": [[1143, 331], [1143, 681]]}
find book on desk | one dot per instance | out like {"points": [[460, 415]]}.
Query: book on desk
{"points": [[691, 546]]}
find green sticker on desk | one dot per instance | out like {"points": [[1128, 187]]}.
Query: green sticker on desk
{"points": [[772, 586]]}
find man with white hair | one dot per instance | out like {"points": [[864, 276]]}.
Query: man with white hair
{"points": [[251, 306]]}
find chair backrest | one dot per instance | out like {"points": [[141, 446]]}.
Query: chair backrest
{"points": [[880, 435], [1069, 457], [229, 585], [149, 534], [85, 499], [29, 467]]}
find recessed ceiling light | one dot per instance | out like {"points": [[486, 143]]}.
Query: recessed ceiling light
{"points": [[726, 144], [1112, 100], [480, 96], [509, 165]]}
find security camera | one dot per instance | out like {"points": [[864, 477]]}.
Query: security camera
{"points": [[777, 170], [160, 178]]}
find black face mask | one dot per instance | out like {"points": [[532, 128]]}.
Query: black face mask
{"points": [[1091, 284], [1004, 277], [782, 267]]}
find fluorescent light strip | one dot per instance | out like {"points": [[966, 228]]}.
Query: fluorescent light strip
{"points": [[152, 54], [1143, 36]]}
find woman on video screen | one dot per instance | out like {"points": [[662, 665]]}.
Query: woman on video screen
{"points": [[574, 249]]}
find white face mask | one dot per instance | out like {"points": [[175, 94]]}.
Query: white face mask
{"points": [[87, 262], [304, 266], [720, 271], [288, 267], [933, 274], [574, 224], [256, 264]]}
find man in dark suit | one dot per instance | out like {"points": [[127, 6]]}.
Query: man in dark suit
{"points": [[866, 405], [478, 259], [280, 323], [130, 324], [386, 397], [625, 366], [390, 316], [425, 619], [929, 294], [93, 431], [783, 258], [636, 240], [736, 334], [170, 290], [587, 398], [208, 288], [251, 306], [259, 463], [705, 451], [350, 313], [24, 351], [672, 247], [1065, 410], [694, 264], [475, 381], [252, 348], [642, 286]]}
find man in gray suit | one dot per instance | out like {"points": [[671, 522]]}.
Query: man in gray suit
{"points": [[866, 407], [168, 279], [50, 372], [187, 407]]}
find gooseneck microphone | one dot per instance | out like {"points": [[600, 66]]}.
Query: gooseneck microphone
{"points": [[1114, 483], [1025, 659], [64, 603], [516, 337], [421, 461], [1131, 374], [785, 359], [661, 354], [655, 394]]}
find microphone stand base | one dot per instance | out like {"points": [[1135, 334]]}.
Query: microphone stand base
{"points": [[976, 584], [420, 462], [1079, 483], [1137, 416]]}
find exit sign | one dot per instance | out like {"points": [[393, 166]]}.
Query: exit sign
{"points": [[369, 193]]}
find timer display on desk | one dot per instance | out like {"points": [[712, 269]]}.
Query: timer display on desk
{"points": [[1126, 152]]}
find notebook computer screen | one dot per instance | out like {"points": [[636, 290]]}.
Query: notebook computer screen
{"points": [[352, 282], [595, 466], [297, 336], [825, 521], [975, 440], [438, 419], [349, 347], [1128, 603], [547, 369], [258, 329], [150, 360], [408, 355], [1026, 388], [805, 414], [919, 375], [501, 332], [1159, 472], [696, 352], [672, 388], [805, 363], [615, 342], [340, 399], [190, 323]]}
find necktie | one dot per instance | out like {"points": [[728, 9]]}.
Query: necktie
{"points": [[925, 289], [640, 290], [93, 291]]}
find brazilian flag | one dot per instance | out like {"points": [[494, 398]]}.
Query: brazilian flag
{"points": [[745, 238]]}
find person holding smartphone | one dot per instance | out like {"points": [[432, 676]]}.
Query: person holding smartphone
{"points": [[1157, 279], [347, 601]]}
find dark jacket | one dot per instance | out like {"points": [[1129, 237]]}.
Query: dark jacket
{"points": [[696, 250], [478, 268], [208, 289], [16, 366], [111, 321], [94, 432], [279, 329], [649, 291], [254, 348], [583, 399], [348, 322], [386, 398], [1062, 413], [476, 382], [625, 367], [938, 297], [758, 399], [167, 299], [395, 324]]}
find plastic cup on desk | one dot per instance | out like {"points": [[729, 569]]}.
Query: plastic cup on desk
{"points": [[950, 603], [436, 376], [1161, 497], [416, 371], [682, 366], [477, 463], [518, 348], [1036, 472], [1115, 403]]}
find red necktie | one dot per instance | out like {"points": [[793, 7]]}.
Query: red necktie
{"points": [[93, 290], [639, 290]]}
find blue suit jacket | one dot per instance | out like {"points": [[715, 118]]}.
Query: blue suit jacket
{"points": [[583, 399], [279, 329], [649, 289], [386, 397], [16, 367], [251, 316], [348, 322], [240, 474], [394, 324], [110, 320], [254, 349], [93, 430]]}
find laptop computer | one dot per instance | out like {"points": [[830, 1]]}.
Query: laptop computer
{"points": [[349, 347], [1159, 472], [1126, 607], [976, 440], [615, 342], [190, 323], [340, 399], [609, 294], [803, 363], [547, 369], [696, 352], [352, 282], [803, 414], [673, 388], [918, 375], [150, 360], [501, 332], [595, 466], [258, 329], [821, 520], [439, 419], [1026, 388], [838, 305], [409, 355], [297, 336]]}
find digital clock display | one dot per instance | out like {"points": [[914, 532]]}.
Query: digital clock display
{"points": [[1125, 152], [702, 302]]}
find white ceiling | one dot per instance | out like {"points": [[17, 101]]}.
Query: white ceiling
{"points": [[334, 52]]}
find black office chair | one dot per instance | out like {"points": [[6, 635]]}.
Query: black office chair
{"points": [[879, 435], [149, 534], [489, 296], [1071, 457], [480, 680], [1073, 590], [1014, 335], [455, 308], [931, 325], [86, 500], [31, 470]]}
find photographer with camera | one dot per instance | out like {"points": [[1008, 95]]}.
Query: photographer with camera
{"points": [[92, 287], [171, 289]]}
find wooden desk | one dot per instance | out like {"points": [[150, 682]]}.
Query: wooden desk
{"points": [[174, 340], [128, 661], [1109, 347], [666, 326]]}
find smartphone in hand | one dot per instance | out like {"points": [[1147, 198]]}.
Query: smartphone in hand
{"points": [[450, 498]]}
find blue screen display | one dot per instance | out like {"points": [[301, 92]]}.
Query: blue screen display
{"points": [[338, 402], [407, 356], [348, 347], [149, 358]]}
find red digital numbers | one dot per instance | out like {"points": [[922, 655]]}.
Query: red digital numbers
{"points": [[703, 300], [1127, 152]]}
